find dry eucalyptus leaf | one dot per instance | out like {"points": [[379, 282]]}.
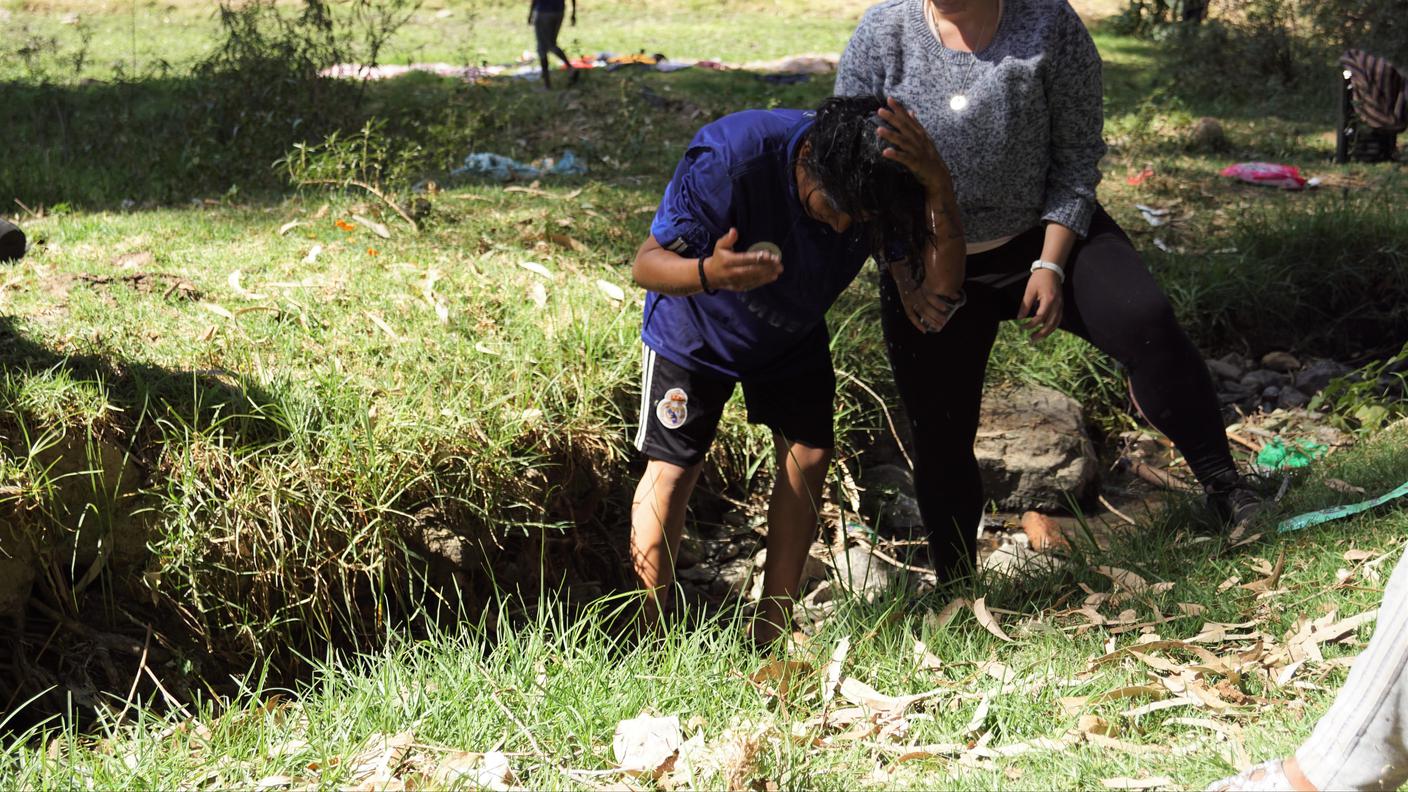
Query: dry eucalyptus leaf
{"points": [[373, 226], [646, 744], [1344, 486], [289, 226], [985, 618], [781, 673], [381, 755], [611, 290], [495, 771], [925, 659], [234, 281], [455, 768], [218, 310], [1355, 555], [313, 253], [537, 269], [382, 325], [1124, 579], [980, 716], [1138, 783], [538, 294], [834, 669], [936, 621]]}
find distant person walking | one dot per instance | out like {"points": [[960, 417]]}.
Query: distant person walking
{"points": [[546, 18]]}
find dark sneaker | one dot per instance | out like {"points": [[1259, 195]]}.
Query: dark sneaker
{"points": [[1234, 500]]}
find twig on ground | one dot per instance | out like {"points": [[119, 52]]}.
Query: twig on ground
{"points": [[369, 188], [537, 749], [131, 692], [1116, 512], [1156, 476], [883, 409], [166, 694]]}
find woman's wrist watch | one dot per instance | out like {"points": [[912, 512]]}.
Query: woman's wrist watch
{"points": [[1050, 265]]}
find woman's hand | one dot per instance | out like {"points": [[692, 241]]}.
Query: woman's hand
{"points": [[926, 307], [911, 146], [1044, 294]]}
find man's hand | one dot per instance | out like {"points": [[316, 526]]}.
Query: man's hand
{"points": [[734, 271], [928, 309], [911, 146], [1044, 294]]}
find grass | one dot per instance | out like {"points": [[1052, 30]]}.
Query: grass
{"points": [[304, 427], [549, 692]]}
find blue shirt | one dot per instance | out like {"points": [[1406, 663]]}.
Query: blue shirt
{"points": [[739, 172]]}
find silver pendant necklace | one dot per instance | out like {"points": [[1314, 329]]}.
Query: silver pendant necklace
{"points": [[959, 101]]}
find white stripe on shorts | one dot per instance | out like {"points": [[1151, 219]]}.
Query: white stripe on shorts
{"points": [[647, 379]]}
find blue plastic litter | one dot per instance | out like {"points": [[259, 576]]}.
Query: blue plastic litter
{"points": [[501, 168]]}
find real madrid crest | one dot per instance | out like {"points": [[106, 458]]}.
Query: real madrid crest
{"points": [[673, 409]]}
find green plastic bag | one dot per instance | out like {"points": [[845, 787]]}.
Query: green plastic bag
{"points": [[1278, 455]]}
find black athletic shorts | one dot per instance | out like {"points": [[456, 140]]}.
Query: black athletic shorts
{"points": [[680, 409]]}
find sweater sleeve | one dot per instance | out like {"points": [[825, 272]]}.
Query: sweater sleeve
{"points": [[860, 72], [1075, 95]]}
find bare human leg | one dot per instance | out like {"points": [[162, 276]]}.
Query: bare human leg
{"points": [[657, 525], [792, 524]]}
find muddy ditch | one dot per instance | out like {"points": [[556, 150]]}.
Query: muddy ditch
{"points": [[76, 570]]}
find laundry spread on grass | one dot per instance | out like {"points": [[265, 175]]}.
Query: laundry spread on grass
{"points": [[792, 68], [501, 168]]}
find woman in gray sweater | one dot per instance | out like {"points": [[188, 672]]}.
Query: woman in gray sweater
{"points": [[1010, 92]]}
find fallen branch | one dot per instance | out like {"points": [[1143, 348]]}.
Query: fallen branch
{"points": [[1156, 476], [1115, 511], [369, 188], [883, 409]]}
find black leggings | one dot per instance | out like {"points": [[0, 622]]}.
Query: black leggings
{"points": [[1110, 300], [546, 27]]}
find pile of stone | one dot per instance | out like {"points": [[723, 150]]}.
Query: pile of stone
{"points": [[1276, 380]]}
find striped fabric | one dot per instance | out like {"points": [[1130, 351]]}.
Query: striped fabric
{"points": [[1381, 98]]}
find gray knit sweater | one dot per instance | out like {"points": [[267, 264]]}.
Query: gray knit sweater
{"points": [[1028, 146]]}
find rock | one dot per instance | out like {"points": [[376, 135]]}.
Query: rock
{"points": [[1224, 370], [1271, 393], [700, 575], [1207, 134], [812, 569], [1033, 450], [1259, 380], [737, 575], [1015, 561], [1235, 392], [1041, 531], [888, 495], [1237, 362], [1283, 362], [883, 481], [861, 573], [1292, 398], [1318, 374]]}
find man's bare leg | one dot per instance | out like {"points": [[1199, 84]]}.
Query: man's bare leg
{"points": [[792, 523], [657, 525]]}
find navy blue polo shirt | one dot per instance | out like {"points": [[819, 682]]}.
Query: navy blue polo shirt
{"points": [[738, 172]]}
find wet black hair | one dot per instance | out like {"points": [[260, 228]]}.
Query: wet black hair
{"points": [[883, 196]]}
